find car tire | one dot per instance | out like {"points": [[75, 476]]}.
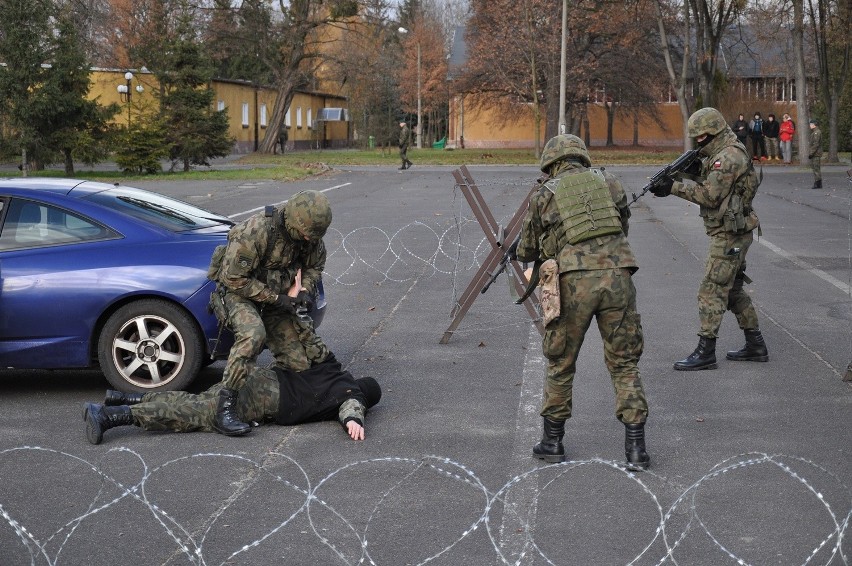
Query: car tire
{"points": [[150, 345]]}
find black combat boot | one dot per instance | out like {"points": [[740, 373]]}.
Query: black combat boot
{"points": [[753, 351], [227, 422], [817, 184], [634, 446], [100, 418], [550, 448], [115, 398], [704, 356]]}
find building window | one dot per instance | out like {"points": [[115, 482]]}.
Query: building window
{"points": [[309, 118], [287, 118], [220, 105], [263, 115], [792, 91], [298, 116], [245, 114]]}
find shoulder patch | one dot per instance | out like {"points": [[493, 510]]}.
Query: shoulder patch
{"points": [[717, 164]]}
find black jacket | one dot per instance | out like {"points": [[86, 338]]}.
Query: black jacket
{"points": [[315, 394], [771, 129], [741, 133]]}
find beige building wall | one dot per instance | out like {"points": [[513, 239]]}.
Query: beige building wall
{"points": [[484, 126], [249, 109]]}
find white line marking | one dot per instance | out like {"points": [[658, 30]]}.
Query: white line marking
{"points": [[520, 502], [259, 208], [806, 266]]}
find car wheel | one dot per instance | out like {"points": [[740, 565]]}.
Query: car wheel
{"points": [[150, 345]]}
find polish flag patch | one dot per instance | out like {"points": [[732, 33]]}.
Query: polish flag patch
{"points": [[717, 164]]}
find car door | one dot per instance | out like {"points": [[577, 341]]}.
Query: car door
{"points": [[48, 287]]}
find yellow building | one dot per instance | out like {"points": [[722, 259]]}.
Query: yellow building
{"points": [[314, 120]]}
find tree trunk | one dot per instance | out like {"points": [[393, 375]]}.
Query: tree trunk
{"points": [[610, 120], [69, 162], [285, 92], [636, 128], [801, 81]]}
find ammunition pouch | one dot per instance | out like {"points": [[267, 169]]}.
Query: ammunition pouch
{"points": [[216, 262], [549, 296]]}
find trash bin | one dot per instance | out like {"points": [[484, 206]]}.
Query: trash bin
{"points": [[372, 142]]}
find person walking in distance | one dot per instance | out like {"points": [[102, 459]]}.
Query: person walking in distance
{"points": [[404, 142]]}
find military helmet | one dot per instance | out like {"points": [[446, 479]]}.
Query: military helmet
{"points": [[307, 214], [561, 147], [706, 121]]}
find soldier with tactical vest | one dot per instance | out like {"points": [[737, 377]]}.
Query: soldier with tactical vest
{"points": [[724, 189], [262, 259], [576, 232]]}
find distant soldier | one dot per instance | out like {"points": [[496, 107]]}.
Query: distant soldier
{"points": [[728, 185], [815, 154], [282, 138], [576, 232], [404, 142], [261, 261]]}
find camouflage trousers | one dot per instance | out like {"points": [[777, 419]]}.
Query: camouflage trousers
{"points": [[608, 295], [179, 411], [722, 287], [293, 343], [816, 167]]}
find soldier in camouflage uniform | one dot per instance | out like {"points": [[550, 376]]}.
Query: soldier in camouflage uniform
{"points": [[259, 265], [815, 153], [576, 232], [278, 395], [404, 142], [724, 190]]}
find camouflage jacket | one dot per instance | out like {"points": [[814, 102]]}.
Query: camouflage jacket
{"points": [[404, 136], [261, 259], [814, 143], [538, 234], [724, 161]]}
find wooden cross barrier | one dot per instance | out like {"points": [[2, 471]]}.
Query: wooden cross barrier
{"points": [[498, 237]]}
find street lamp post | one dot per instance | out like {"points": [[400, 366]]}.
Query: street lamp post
{"points": [[125, 92], [419, 99]]}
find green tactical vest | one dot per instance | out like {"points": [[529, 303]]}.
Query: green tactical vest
{"points": [[585, 206]]}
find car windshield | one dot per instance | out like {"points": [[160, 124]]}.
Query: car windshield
{"points": [[165, 212]]}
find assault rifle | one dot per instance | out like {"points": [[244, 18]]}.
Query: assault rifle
{"points": [[504, 262], [679, 165]]}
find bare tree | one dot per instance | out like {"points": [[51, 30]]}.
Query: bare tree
{"points": [[712, 19], [831, 22], [802, 111], [678, 79]]}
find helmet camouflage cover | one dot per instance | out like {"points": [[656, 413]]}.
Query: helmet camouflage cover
{"points": [[561, 147], [307, 213], [706, 121]]}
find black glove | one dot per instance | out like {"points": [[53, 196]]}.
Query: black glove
{"points": [[304, 300], [285, 303], [664, 189]]}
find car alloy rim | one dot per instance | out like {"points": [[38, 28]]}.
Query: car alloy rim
{"points": [[148, 350]]}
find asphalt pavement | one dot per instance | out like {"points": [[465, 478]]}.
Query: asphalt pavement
{"points": [[749, 463]]}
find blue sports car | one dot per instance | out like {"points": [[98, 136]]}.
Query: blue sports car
{"points": [[99, 274]]}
